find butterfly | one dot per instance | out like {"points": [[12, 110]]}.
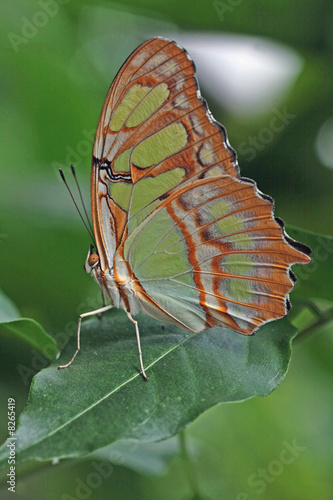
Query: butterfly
{"points": [[179, 234]]}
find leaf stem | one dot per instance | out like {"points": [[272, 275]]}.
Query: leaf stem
{"points": [[309, 305], [323, 317], [192, 479]]}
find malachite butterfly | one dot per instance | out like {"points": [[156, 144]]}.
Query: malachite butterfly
{"points": [[179, 234]]}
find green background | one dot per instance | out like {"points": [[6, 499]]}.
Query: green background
{"points": [[54, 80]]}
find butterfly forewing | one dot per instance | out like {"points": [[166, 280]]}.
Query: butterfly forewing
{"points": [[154, 121], [155, 89]]}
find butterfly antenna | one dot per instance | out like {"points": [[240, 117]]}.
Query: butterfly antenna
{"points": [[81, 198], [77, 208]]}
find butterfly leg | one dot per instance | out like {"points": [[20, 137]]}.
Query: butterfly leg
{"points": [[84, 315], [100, 315], [139, 344]]}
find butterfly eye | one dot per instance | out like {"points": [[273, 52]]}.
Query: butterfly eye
{"points": [[93, 259]]}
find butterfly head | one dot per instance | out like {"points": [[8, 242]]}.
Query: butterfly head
{"points": [[92, 260]]}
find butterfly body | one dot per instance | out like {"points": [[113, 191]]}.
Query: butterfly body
{"points": [[116, 282], [179, 234]]}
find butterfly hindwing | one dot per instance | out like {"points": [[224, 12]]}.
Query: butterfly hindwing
{"points": [[212, 253]]}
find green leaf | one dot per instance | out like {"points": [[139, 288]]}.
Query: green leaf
{"points": [[102, 397], [143, 458], [315, 279], [31, 333], [23, 335], [8, 310]]}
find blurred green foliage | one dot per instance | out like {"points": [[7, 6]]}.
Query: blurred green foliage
{"points": [[55, 74]]}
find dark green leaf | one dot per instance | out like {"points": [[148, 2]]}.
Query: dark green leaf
{"points": [[315, 279], [31, 333], [8, 310], [144, 458], [102, 397]]}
